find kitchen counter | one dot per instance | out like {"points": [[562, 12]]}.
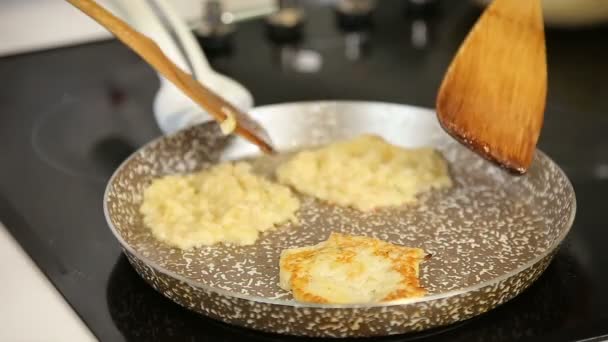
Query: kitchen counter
{"points": [[30, 300]]}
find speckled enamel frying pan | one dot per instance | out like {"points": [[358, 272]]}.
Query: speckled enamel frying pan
{"points": [[491, 235]]}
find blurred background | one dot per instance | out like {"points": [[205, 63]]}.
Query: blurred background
{"points": [[74, 103], [30, 25]]}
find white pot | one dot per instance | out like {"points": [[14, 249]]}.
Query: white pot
{"points": [[571, 13]]}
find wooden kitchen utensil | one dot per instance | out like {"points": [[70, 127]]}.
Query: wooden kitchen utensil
{"points": [[146, 48], [493, 96]]}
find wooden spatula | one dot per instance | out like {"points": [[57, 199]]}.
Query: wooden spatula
{"points": [[493, 96], [146, 48]]}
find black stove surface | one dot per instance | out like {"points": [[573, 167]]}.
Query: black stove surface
{"points": [[68, 117]]}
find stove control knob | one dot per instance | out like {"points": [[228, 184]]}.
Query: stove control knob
{"points": [[421, 8], [285, 26], [354, 15], [216, 29]]}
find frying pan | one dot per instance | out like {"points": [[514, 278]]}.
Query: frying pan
{"points": [[491, 235]]}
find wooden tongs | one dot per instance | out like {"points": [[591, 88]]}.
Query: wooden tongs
{"points": [[221, 110]]}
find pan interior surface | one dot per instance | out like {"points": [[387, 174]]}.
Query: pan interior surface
{"points": [[489, 225]]}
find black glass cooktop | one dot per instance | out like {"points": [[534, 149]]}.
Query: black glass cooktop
{"points": [[69, 116]]}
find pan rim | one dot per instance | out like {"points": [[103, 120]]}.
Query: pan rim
{"points": [[296, 304]]}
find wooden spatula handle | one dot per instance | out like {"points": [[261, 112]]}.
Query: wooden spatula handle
{"points": [[147, 49]]}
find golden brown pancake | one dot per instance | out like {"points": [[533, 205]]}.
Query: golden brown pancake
{"points": [[351, 269]]}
